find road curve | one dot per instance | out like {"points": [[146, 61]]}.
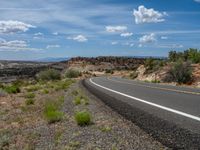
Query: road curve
{"points": [[170, 114]]}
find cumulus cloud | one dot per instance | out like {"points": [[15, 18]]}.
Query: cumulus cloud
{"points": [[144, 15], [78, 38], [114, 29], [127, 34], [15, 45], [38, 34], [10, 26], [164, 37], [114, 43], [52, 46], [148, 38]]}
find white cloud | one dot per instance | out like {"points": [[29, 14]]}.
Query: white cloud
{"points": [[140, 45], [128, 44], [164, 37], [38, 34], [144, 15], [114, 29], [55, 33], [15, 45], [78, 38], [148, 38], [52, 46], [114, 43], [127, 34], [170, 46], [14, 26], [198, 1], [131, 44]]}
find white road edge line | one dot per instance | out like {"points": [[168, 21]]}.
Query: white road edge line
{"points": [[146, 102]]}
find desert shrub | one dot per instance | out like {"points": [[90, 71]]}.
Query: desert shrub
{"points": [[105, 129], [33, 88], [75, 92], [12, 89], [52, 113], [83, 118], [152, 65], [81, 100], [19, 83], [29, 101], [84, 100], [109, 71], [61, 100], [77, 100], [180, 72], [30, 95], [50, 74], [133, 75], [149, 63], [71, 73], [155, 81], [45, 91]]}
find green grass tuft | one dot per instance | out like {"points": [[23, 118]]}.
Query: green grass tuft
{"points": [[30, 101], [77, 100], [30, 95], [83, 118], [51, 112]]}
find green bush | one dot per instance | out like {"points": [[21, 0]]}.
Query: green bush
{"points": [[133, 75], [12, 89], [71, 73], [83, 118], [30, 95], [50, 74], [180, 72], [30, 101], [52, 113]]}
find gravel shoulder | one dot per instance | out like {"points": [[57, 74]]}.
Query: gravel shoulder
{"points": [[25, 127]]}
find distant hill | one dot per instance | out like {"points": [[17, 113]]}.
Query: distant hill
{"points": [[53, 59]]}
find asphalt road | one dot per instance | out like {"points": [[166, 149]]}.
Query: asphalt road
{"points": [[170, 114]]}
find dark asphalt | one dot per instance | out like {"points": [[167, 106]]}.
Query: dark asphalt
{"points": [[171, 128]]}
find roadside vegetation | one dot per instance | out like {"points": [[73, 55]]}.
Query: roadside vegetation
{"points": [[72, 73], [178, 66], [180, 72]]}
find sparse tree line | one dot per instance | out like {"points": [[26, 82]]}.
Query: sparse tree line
{"points": [[192, 55]]}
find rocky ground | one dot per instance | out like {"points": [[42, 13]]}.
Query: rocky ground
{"points": [[23, 125]]}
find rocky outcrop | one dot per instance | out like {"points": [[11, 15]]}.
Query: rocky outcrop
{"points": [[117, 63]]}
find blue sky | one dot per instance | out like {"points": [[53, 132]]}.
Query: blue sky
{"points": [[36, 29]]}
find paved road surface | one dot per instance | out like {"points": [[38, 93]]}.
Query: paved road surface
{"points": [[171, 114]]}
